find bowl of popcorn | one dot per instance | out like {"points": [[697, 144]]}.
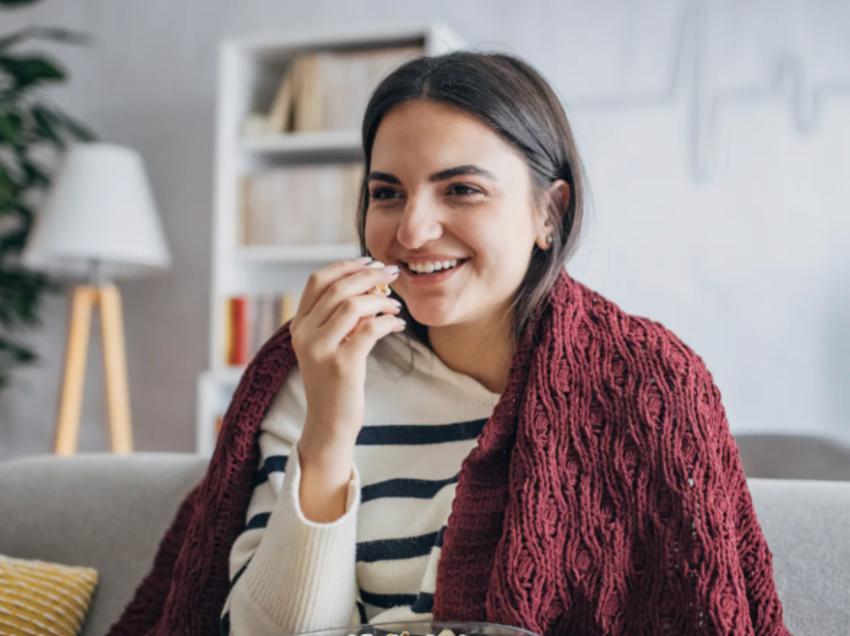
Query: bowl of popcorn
{"points": [[426, 628]]}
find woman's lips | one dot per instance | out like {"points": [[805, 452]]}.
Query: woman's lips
{"points": [[433, 278]]}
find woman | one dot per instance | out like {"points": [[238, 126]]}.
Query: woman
{"points": [[516, 448]]}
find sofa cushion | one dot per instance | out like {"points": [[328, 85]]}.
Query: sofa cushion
{"points": [[807, 525], [102, 510], [41, 598]]}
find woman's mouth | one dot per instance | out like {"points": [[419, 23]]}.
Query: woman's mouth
{"points": [[434, 272]]}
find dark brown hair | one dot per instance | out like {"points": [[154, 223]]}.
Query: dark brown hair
{"points": [[514, 100]]}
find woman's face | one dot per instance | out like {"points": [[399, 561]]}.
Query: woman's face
{"points": [[444, 187]]}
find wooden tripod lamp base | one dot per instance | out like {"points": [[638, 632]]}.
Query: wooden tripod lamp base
{"points": [[84, 299]]}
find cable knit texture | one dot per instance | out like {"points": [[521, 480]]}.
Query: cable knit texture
{"points": [[605, 496]]}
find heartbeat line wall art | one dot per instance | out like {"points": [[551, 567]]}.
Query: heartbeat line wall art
{"points": [[691, 77]]}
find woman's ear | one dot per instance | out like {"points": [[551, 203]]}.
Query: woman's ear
{"points": [[557, 198]]}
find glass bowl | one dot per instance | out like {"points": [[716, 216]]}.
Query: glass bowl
{"points": [[423, 628]]}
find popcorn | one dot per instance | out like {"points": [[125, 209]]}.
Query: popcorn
{"points": [[445, 632], [379, 290]]}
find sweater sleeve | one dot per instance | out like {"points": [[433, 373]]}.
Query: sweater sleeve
{"points": [[289, 574], [756, 560]]}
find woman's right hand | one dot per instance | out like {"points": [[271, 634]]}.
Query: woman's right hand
{"points": [[335, 327]]}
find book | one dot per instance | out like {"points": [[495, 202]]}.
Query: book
{"points": [[301, 205], [279, 119], [240, 335], [252, 321], [327, 90]]}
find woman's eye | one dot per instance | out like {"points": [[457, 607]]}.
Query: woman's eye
{"points": [[463, 190], [378, 193]]}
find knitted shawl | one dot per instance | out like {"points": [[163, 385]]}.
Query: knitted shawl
{"points": [[605, 495]]}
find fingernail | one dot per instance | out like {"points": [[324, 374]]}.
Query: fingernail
{"points": [[392, 269], [395, 302], [364, 260], [402, 321]]}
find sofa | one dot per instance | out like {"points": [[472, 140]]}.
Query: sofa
{"points": [[109, 511]]}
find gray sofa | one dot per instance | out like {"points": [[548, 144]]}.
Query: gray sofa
{"points": [[109, 512]]}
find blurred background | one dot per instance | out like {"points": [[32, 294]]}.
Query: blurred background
{"points": [[716, 138]]}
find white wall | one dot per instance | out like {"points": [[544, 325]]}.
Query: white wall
{"points": [[750, 266]]}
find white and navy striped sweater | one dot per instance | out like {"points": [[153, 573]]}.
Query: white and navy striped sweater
{"points": [[378, 562]]}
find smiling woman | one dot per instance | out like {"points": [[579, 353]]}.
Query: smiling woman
{"points": [[478, 149], [522, 451]]}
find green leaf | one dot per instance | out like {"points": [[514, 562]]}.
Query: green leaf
{"points": [[70, 125], [44, 33], [34, 175], [18, 353], [11, 129], [16, 3], [27, 71], [44, 128]]}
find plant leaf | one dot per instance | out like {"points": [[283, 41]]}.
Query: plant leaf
{"points": [[11, 129], [27, 71], [44, 33], [70, 125], [16, 3]]}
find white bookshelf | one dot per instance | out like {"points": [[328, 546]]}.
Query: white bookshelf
{"points": [[249, 72]]}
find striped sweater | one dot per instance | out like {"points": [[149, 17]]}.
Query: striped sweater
{"points": [[378, 562]]}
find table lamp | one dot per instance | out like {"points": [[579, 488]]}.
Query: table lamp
{"points": [[99, 222]]}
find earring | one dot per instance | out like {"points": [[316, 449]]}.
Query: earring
{"points": [[549, 239]]}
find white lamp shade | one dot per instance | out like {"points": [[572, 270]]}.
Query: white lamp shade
{"points": [[99, 208]]}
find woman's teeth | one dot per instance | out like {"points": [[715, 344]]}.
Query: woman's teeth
{"points": [[428, 268]]}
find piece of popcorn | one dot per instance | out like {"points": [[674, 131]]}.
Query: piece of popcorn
{"points": [[379, 290]]}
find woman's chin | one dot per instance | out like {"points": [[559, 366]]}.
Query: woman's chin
{"points": [[431, 316]]}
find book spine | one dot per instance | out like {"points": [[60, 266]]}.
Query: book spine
{"points": [[239, 349], [228, 330], [287, 308]]}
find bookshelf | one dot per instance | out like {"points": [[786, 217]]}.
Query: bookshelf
{"points": [[250, 72]]}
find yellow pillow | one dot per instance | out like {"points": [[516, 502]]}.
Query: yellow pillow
{"points": [[43, 598]]}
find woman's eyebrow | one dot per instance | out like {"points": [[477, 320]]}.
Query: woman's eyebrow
{"points": [[436, 177]]}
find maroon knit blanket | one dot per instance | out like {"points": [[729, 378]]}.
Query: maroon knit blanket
{"points": [[605, 495]]}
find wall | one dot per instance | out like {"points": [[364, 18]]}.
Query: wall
{"points": [[749, 265]]}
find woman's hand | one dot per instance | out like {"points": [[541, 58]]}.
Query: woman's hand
{"points": [[335, 327]]}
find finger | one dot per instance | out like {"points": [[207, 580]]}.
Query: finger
{"points": [[351, 286], [352, 311], [361, 342], [321, 279]]}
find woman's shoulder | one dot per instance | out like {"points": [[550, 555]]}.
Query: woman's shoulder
{"points": [[637, 343], [645, 368]]}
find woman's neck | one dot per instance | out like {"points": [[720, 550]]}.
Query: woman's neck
{"points": [[481, 351]]}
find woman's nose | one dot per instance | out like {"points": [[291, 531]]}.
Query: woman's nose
{"points": [[419, 225]]}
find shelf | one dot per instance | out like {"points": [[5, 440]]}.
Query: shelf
{"points": [[296, 253], [330, 142], [250, 69]]}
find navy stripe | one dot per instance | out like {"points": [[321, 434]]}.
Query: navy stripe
{"points": [[412, 488], [387, 601], [224, 625], [396, 549], [439, 542], [240, 572], [258, 521], [418, 434], [424, 603], [273, 464], [361, 609]]}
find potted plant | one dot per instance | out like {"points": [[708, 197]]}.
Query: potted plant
{"points": [[30, 127]]}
